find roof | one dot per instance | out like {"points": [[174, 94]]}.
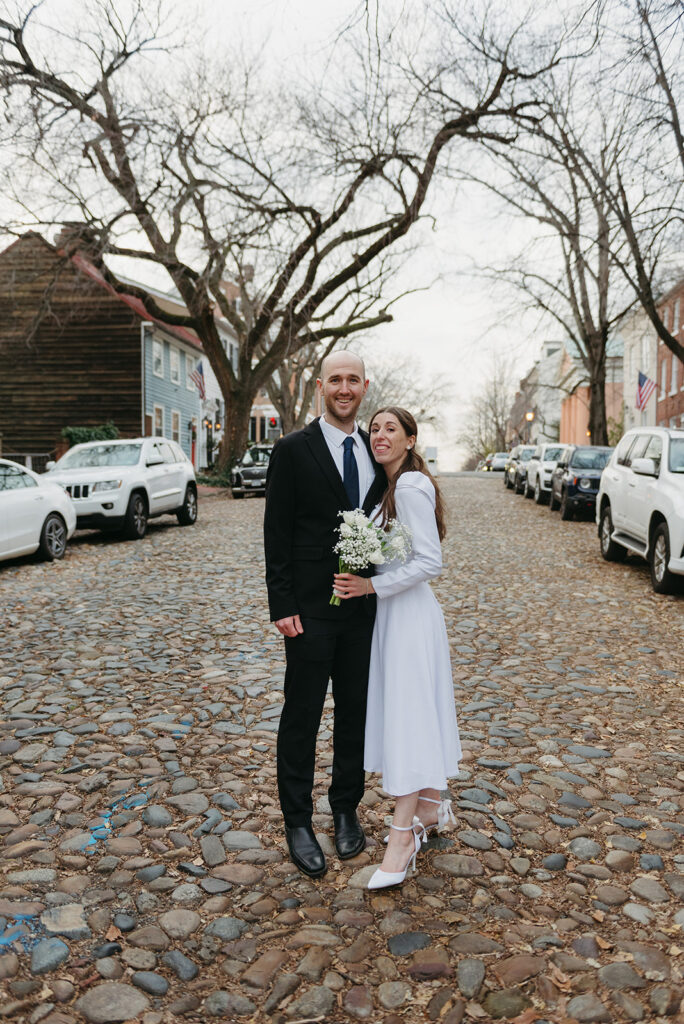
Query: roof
{"points": [[132, 301]]}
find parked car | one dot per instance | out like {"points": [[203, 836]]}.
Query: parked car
{"points": [[119, 485], [499, 460], [35, 514], [516, 466], [488, 462], [640, 505], [249, 476], [576, 478], [539, 470]]}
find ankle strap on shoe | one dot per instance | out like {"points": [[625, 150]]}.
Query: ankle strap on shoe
{"points": [[401, 828], [429, 800]]}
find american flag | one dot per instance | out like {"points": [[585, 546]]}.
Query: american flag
{"points": [[645, 389], [197, 376]]}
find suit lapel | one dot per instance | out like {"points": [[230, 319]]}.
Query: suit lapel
{"points": [[321, 453], [376, 489]]}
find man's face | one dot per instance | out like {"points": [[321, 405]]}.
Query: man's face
{"points": [[343, 388]]}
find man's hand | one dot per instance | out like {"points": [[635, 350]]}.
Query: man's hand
{"points": [[291, 626]]}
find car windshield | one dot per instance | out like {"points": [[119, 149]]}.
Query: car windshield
{"points": [[677, 455], [260, 456], [526, 454], [553, 454], [500, 455], [590, 458], [101, 455]]}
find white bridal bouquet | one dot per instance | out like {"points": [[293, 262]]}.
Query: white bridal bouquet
{"points": [[362, 543]]}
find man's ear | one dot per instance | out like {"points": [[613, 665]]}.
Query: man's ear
{"points": [[365, 386], [319, 384]]}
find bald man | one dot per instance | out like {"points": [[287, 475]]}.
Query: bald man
{"points": [[313, 475]]}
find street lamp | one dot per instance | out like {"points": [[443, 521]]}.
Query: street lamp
{"points": [[529, 416]]}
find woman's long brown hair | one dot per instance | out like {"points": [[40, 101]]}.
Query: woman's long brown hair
{"points": [[413, 463]]}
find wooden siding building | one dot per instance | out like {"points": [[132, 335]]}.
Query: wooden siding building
{"points": [[74, 353]]}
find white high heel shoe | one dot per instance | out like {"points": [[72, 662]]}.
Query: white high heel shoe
{"points": [[383, 879], [445, 816]]}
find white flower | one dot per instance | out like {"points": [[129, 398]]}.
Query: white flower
{"points": [[378, 558], [345, 530]]}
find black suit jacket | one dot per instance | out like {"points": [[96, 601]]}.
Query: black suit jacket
{"points": [[304, 496]]}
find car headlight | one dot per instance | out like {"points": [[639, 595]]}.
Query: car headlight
{"points": [[106, 485], [585, 483]]}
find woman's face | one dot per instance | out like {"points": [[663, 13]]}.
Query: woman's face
{"points": [[389, 441]]}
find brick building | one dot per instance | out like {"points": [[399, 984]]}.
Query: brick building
{"points": [[670, 379]]}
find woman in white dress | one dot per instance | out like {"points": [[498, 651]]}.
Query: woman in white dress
{"points": [[411, 731]]}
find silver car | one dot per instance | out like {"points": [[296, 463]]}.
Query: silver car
{"points": [[35, 514], [540, 470]]}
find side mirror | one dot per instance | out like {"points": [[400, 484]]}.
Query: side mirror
{"points": [[644, 467], [50, 464]]}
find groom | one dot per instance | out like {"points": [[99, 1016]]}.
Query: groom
{"points": [[313, 475]]}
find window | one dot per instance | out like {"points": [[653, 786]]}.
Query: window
{"points": [[675, 319], [14, 479], [175, 425], [623, 450], [655, 450], [663, 376], [673, 375], [666, 318], [157, 359], [159, 421], [638, 449], [238, 306], [175, 365], [190, 365], [166, 452]]}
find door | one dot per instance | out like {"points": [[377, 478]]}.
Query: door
{"points": [[174, 477], [22, 511], [618, 472], [640, 489], [156, 478]]}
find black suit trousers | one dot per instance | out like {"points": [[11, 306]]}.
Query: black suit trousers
{"points": [[340, 651]]}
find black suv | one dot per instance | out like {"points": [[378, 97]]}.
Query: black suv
{"points": [[576, 478], [249, 475]]}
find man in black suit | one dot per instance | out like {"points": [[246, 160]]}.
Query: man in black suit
{"points": [[313, 475]]}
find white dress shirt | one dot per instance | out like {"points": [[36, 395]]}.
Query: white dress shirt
{"points": [[335, 439]]}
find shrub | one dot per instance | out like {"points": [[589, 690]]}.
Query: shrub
{"points": [[80, 435]]}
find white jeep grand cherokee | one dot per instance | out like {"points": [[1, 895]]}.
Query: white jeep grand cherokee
{"points": [[119, 485], [640, 503]]}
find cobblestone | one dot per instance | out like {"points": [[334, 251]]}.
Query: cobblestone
{"points": [[145, 874]]}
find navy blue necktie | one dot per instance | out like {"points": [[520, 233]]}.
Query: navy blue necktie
{"points": [[351, 473]]}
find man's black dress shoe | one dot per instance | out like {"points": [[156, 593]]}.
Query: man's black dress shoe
{"points": [[349, 836], [305, 851]]}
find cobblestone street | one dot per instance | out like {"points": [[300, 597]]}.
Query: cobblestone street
{"points": [[144, 870]]}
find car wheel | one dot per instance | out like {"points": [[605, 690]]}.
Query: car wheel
{"points": [[610, 551], [53, 538], [566, 510], [187, 513], [662, 580], [553, 500], [528, 492], [538, 493], [507, 482], [135, 520], [518, 486]]}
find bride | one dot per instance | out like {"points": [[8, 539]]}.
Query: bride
{"points": [[411, 731]]}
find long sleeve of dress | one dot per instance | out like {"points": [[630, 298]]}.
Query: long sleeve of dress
{"points": [[415, 509]]}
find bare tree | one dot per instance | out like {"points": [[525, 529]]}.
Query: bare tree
{"points": [[568, 271], [170, 160], [486, 419], [400, 380], [644, 186]]}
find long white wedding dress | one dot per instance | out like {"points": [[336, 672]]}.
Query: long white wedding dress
{"points": [[411, 730]]}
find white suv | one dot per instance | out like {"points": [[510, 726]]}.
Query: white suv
{"points": [[640, 503], [119, 485], [540, 469]]}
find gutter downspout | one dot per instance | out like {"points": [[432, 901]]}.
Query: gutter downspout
{"points": [[145, 325]]}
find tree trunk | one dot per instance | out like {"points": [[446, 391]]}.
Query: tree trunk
{"points": [[598, 422], [236, 428]]}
